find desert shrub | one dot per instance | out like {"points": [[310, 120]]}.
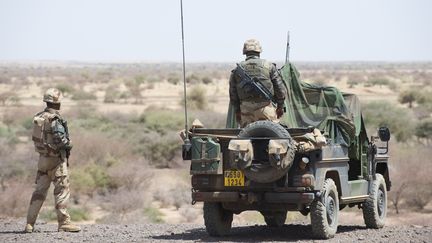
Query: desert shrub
{"points": [[78, 213], [48, 214], [15, 198], [9, 98], [89, 179], [192, 79], [159, 150], [130, 176], [139, 79], [153, 215], [173, 80], [393, 86], [207, 80], [27, 123], [399, 120], [176, 197], [83, 95], [423, 129], [188, 213], [65, 88], [111, 95], [196, 98], [161, 121], [419, 194], [122, 202], [409, 183], [97, 147], [424, 97]]}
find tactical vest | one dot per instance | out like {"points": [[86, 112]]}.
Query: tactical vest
{"points": [[42, 133], [260, 69]]}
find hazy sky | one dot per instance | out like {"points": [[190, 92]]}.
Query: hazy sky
{"points": [[139, 30]]}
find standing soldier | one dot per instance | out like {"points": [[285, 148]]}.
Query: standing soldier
{"points": [[51, 140], [249, 103]]}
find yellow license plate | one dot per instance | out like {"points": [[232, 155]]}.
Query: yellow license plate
{"points": [[233, 178]]}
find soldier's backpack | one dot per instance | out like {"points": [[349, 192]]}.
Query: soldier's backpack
{"points": [[42, 135]]}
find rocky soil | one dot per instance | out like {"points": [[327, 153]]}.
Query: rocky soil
{"points": [[11, 231]]}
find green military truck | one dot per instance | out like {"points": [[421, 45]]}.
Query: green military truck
{"points": [[317, 161]]}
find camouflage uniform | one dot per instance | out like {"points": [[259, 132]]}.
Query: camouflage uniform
{"points": [[51, 141], [250, 105]]}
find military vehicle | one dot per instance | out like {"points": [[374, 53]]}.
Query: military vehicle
{"points": [[317, 161]]}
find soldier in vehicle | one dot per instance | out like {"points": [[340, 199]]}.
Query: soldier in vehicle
{"points": [[249, 104], [51, 140]]}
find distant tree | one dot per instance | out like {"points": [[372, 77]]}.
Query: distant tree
{"points": [[173, 80], [408, 96], [352, 83], [207, 80]]}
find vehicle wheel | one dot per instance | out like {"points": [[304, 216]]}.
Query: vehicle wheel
{"points": [[375, 207], [275, 219], [265, 173], [217, 219], [325, 211]]}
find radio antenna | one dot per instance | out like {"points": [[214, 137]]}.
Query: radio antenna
{"points": [[287, 48], [184, 75]]}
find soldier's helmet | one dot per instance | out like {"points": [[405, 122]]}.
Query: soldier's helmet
{"points": [[52, 95], [252, 45]]}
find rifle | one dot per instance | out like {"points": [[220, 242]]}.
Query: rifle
{"points": [[68, 147], [255, 83]]}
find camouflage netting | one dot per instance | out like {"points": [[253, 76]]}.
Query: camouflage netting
{"points": [[324, 107]]}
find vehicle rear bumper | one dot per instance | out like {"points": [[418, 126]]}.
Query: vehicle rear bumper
{"points": [[267, 197]]}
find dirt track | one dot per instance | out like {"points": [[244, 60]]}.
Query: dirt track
{"points": [[11, 231]]}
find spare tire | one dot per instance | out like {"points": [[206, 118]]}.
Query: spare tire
{"points": [[264, 172]]}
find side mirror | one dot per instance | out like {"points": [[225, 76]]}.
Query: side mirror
{"points": [[384, 134]]}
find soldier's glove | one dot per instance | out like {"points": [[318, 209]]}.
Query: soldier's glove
{"points": [[238, 116], [279, 111]]}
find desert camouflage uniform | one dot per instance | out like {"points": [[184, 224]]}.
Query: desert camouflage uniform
{"points": [[52, 167], [252, 106]]}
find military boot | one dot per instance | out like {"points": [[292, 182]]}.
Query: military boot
{"points": [[69, 227], [29, 228]]}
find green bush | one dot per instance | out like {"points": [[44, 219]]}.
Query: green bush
{"points": [[161, 121], [90, 178], [65, 88], [78, 214], [424, 129], [48, 215], [399, 120], [154, 215], [160, 151], [27, 123]]}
